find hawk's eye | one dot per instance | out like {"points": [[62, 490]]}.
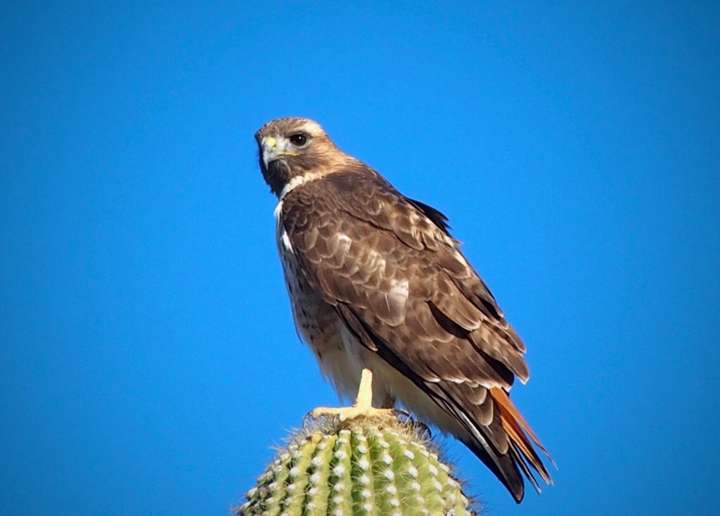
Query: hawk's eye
{"points": [[298, 139]]}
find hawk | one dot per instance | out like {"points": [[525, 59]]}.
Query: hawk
{"points": [[382, 294]]}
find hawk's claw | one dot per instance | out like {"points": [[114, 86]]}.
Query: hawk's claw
{"points": [[346, 413], [362, 407]]}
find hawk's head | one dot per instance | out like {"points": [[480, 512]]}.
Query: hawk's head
{"points": [[293, 150]]}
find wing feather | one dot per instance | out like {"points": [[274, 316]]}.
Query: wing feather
{"points": [[400, 283]]}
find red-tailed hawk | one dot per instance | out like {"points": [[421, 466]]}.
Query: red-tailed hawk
{"points": [[380, 290]]}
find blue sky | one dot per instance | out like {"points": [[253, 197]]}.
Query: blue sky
{"points": [[148, 357]]}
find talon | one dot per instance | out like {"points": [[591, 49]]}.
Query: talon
{"points": [[362, 407], [346, 413]]}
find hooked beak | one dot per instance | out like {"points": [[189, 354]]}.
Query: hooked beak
{"points": [[273, 148]]}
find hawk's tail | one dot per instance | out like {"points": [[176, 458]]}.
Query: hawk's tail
{"points": [[520, 460]]}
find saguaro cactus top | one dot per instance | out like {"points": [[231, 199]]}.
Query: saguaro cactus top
{"points": [[361, 466]]}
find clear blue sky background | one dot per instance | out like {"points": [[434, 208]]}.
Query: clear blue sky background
{"points": [[148, 357]]}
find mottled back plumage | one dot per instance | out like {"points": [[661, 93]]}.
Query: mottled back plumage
{"points": [[377, 281]]}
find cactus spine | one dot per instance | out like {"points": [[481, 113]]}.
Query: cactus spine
{"points": [[364, 466]]}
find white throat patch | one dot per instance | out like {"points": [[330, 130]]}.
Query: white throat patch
{"points": [[289, 187], [299, 181]]}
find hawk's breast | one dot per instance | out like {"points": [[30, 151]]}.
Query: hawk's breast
{"points": [[316, 321]]}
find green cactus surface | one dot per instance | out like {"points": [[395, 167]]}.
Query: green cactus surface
{"points": [[363, 466]]}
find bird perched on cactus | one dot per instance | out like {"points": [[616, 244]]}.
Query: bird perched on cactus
{"points": [[387, 301]]}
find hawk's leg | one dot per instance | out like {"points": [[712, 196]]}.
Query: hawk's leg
{"points": [[362, 406]]}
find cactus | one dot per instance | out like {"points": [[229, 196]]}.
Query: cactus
{"points": [[360, 466]]}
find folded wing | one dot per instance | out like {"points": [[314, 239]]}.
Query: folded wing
{"points": [[400, 283]]}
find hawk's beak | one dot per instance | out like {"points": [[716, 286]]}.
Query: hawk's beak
{"points": [[272, 149], [269, 142]]}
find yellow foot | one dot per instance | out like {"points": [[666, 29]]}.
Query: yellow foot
{"points": [[345, 413], [363, 404]]}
